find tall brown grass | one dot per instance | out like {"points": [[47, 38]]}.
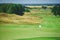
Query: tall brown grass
{"points": [[13, 18]]}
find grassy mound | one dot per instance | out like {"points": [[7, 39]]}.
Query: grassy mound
{"points": [[13, 18]]}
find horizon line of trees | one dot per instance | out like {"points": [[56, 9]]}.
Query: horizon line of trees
{"points": [[20, 9], [12, 8]]}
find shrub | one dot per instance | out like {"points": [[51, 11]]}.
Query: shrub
{"points": [[44, 7], [56, 10], [12, 8]]}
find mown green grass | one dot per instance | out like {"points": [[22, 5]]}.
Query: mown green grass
{"points": [[42, 38], [20, 32], [19, 25]]}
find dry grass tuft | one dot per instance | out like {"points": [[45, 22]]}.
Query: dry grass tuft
{"points": [[13, 18]]}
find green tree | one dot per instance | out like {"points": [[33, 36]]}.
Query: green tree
{"points": [[12, 8], [56, 10]]}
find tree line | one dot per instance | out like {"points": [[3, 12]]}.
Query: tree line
{"points": [[20, 9], [12, 8]]}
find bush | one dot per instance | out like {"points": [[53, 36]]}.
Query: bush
{"points": [[27, 10], [56, 10], [44, 7], [12, 8]]}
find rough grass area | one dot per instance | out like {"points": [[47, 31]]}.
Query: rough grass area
{"points": [[12, 18]]}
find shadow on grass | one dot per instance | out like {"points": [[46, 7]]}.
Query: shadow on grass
{"points": [[41, 38]]}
